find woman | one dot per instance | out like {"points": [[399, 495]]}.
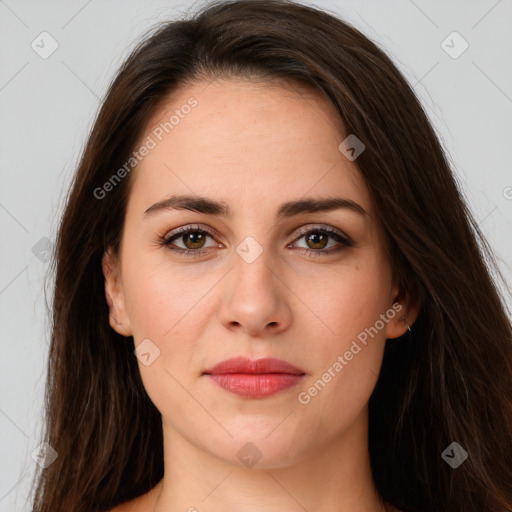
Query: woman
{"points": [[270, 293]]}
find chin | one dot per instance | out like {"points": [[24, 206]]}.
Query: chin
{"points": [[259, 446]]}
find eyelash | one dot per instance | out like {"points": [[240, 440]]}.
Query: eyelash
{"points": [[168, 239]]}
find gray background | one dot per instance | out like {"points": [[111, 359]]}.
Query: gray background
{"points": [[48, 105]]}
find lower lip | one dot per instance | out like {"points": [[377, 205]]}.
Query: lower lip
{"points": [[256, 385]]}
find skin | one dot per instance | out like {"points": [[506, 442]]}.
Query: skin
{"points": [[255, 146]]}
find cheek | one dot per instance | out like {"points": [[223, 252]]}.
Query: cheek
{"points": [[161, 309], [167, 306], [338, 390], [160, 299], [349, 354], [149, 304], [346, 302]]}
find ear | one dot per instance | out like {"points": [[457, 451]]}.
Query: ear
{"points": [[403, 311], [114, 293]]}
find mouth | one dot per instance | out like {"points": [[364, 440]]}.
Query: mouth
{"points": [[257, 378]]}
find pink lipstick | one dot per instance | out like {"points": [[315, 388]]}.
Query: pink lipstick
{"points": [[255, 378]]}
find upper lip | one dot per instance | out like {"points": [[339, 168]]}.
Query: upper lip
{"points": [[253, 366]]}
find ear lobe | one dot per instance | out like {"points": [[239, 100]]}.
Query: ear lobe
{"points": [[406, 311], [114, 294]]}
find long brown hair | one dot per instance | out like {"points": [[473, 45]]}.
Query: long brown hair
{"points": [[449, 380]]}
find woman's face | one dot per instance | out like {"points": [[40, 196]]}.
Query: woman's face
{"points": [[261, 275]]}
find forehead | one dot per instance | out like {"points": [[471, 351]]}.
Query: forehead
{"points": [[246, 143]]}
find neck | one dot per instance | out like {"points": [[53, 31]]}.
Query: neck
{"points": [[331, 476]]}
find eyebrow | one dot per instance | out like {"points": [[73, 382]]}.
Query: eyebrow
{"points": [[289, 209]]}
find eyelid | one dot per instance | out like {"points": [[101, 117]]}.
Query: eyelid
{"points": [[341, 238], [300, 232], [187, 229], [321, 227]]}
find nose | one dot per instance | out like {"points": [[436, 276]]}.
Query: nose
{"points": [[255, 298]]}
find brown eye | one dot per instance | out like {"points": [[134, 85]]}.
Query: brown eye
{"points": [[189, 240], [193, 240], [317, 240]]}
